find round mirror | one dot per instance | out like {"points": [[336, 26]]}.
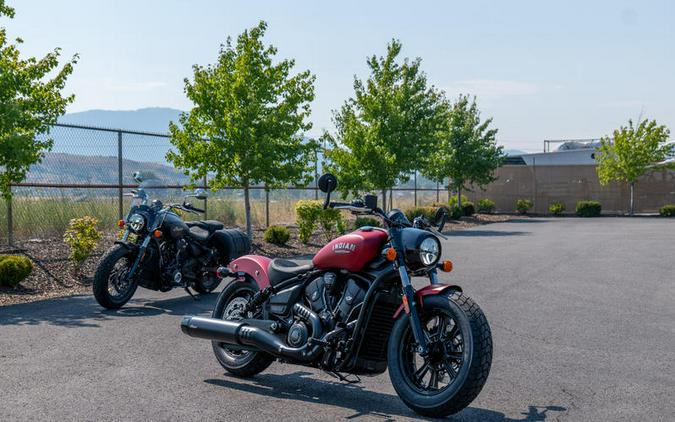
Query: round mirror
{"points": [[201, 194], [138, 177], [327, 183]]}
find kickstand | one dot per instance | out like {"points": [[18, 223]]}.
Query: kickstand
{"points": [[187, 289], [354, 380]]}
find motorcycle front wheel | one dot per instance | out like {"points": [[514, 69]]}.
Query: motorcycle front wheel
{"points": [[112, 288], [450, 376]]}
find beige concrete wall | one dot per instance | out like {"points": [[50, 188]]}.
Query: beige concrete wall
{"points": [[569, 184]]}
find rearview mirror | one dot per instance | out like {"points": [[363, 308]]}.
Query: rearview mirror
{"points": [[138, 177], [201, 194], [370, 201], [327, 183], [440, 218]]}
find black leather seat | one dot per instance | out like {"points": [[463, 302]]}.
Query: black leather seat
{"points": [[201, 230], [283, 269]]}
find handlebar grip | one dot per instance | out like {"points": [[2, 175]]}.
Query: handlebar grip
{"points": [[197, 209]]}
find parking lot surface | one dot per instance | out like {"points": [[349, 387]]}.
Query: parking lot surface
{"points": [[582, 313]]}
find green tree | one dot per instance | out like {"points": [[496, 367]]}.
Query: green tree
{"points": [[383, 132], [246, 121], [30, 101], [467, 152], [631, 152]]}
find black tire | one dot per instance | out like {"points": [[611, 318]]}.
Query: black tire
{"points": [[469, 333], [239, 363], [107, 267], [206, 285]]}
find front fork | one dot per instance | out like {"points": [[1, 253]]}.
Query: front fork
{"points": [[411, 309]]}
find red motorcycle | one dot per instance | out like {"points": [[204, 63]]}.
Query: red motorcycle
{"points": [[354, 311]]}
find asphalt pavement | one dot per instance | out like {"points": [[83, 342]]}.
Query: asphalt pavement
{"points": [[582, 314]]}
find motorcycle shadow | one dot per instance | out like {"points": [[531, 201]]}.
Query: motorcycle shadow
{"points": [[302, 386], [174, 306]]}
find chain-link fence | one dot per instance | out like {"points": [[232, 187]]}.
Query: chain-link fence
{"points": [[90, 168]]}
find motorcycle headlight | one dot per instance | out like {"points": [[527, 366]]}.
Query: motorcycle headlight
{"points": [[136, 222], [430, 251]]}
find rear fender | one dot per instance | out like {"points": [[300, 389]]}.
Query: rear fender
{"points": [[255, 266], [430, 290]]}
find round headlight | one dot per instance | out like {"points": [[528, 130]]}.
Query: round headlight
{"points": [[430, 251], [136, 222]]}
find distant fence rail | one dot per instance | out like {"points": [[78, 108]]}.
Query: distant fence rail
{"points": [[89, 168]]}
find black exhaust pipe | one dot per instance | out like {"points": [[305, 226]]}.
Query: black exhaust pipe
{"points": [[245, 334]]}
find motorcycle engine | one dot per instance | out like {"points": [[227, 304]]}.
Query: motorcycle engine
{"points": [[335, 299]]}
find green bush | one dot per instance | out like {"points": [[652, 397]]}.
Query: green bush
{"points": [[453, 200], [427, 212], [667, 210], [524, 205], [14, 269], [366, 222], [310, 213], [486, 206], [82, 237], [278, 235], [468, 208], [588, 209], [556, 208]]}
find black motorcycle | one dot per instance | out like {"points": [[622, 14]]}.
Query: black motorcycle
{"points": [[160, 251]]}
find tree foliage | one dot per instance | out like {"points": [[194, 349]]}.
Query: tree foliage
{"points": [[30, 101], [467, 152], [383, 132], [631, 152], [246, 123]]}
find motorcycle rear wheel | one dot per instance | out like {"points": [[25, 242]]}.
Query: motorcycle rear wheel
{"points": [[456, 368], [242, 363], [110, 288]]}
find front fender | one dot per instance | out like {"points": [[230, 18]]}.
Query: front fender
{"points": [[131, 247], [430, 290], [255, 266]]}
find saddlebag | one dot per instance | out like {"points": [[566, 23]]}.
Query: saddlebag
{"points": [[231, 244]]}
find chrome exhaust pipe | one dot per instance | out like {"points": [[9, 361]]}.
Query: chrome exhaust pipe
{"points": [[244, 334]]}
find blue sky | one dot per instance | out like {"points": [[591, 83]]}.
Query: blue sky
{"points": [[541, 69]]}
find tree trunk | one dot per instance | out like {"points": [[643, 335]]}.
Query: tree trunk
{"points": [[247, 212], [384, 199], [459, 196], [632, 198]]}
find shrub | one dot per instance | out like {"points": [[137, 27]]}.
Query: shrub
{"points": [[667, 210], [13, 269], [588, 209], [486, 206], [310, 213], [453, 200], [82, 237], [556, 208], [524, 205], [366, 221], [468, 208], [427, 212], [278, 235]]}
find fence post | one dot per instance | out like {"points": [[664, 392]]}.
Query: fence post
{"points": [[120, 178], [534, 183], [10, 222], [415, 190], [316, 176], [206, 205], [438, 192], [267, 207]]}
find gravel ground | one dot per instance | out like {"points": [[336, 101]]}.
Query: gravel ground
{"points": [[54, 276]]}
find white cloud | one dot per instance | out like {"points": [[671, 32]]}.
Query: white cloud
{"points": [[491, 88]]}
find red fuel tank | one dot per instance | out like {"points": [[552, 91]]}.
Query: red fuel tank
{"points": [[351, 251]]}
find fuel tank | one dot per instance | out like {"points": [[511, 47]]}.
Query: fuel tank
{"points": [[175, 226], [351, 251]]}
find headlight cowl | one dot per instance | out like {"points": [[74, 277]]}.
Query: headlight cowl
{"points": [[422, 249], [136, 222]]}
